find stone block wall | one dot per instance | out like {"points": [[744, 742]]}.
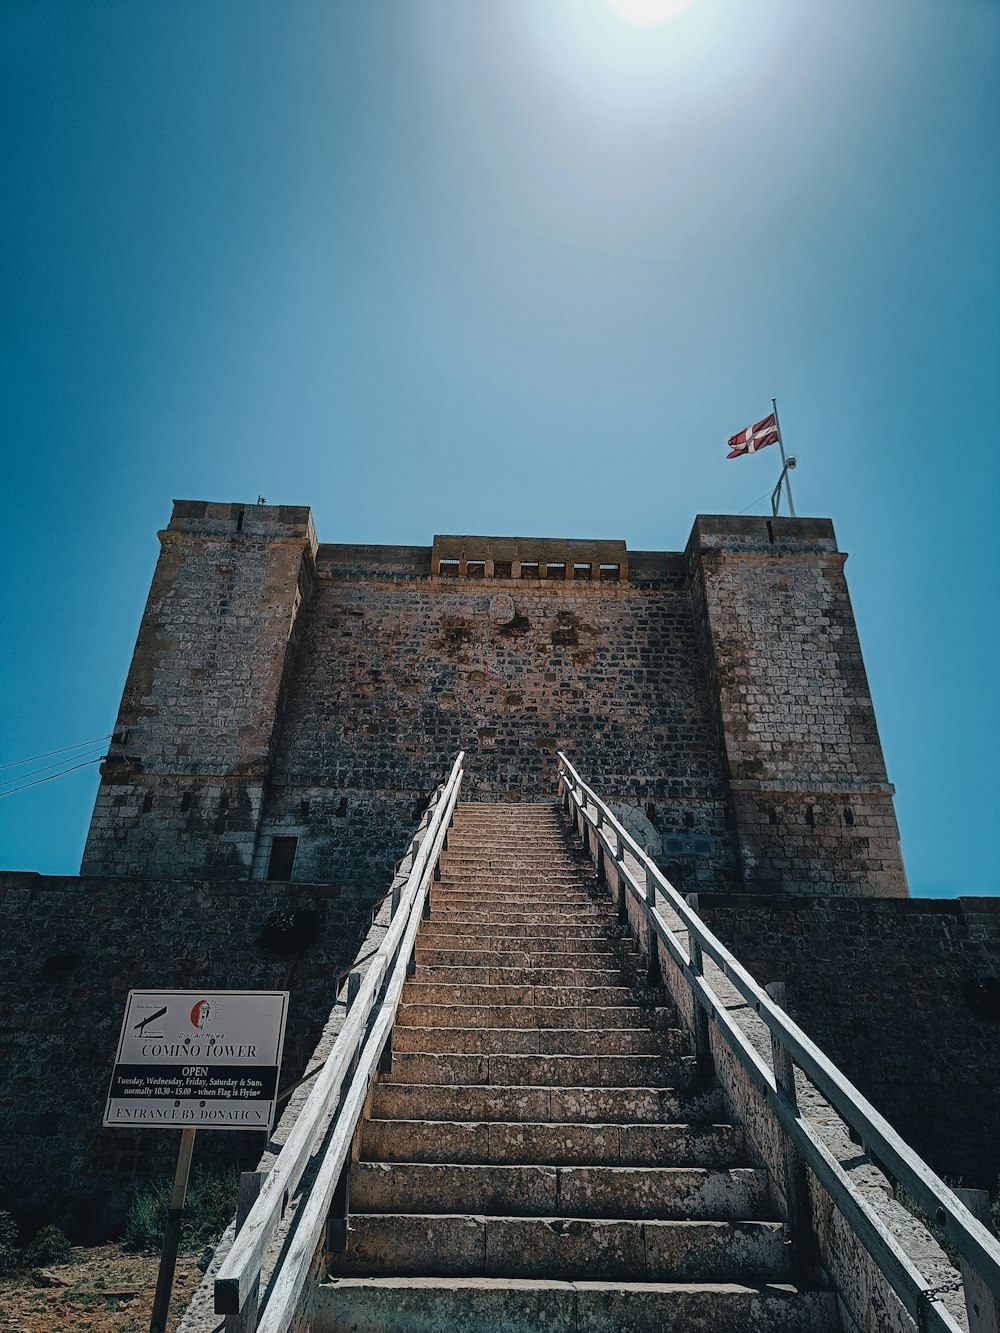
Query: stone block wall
{"points": [[904, 995], [182, 787], [400, 669], [70, 951], [809, 798], [290, 706]]}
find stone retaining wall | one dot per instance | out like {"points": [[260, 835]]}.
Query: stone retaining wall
{"points": [[70, 951], [904, 995]]}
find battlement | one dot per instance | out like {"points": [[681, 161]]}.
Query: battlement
{"points": [[741, 534], [530, 558], [203, 518]]}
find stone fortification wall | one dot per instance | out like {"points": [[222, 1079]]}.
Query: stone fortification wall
{"points": [[70, 951], [290, 706], [904, 995], [809, 797], [400, 669]]}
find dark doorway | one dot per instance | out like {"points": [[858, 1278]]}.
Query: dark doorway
{"points": [[282, 858]]}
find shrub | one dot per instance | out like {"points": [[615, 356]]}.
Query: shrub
{"points": [[289, 931], [210, 1203], [10, 1255], [50, 1246]]}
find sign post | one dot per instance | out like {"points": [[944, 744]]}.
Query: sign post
{"points": [[172, 1235], [190, 1060]]}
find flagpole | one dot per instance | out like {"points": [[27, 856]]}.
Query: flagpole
{"points": [[784, 465]]}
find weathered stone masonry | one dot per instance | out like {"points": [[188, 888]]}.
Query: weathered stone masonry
{"points": [[71, 949], [283, 689], [291, 705], [904, 994]]}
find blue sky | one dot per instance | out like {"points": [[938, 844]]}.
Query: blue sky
{"points": [[518, 267]]}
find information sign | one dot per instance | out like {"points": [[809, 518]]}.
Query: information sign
{"points": [[198, 1059]]}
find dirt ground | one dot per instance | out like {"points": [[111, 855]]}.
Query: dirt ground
{"points": [[102, 1290]]}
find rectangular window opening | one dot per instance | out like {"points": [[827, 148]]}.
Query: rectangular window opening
{"points": [[555, 572], [610, 573], [529, 569], [582, 571], [502, 569], [281, 861], [448, 569], [476, 569]]}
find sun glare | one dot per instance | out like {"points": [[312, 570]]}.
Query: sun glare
{"points": [[646, 11]]}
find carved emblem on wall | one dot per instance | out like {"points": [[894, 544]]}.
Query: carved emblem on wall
{"points": [[501, 609]]}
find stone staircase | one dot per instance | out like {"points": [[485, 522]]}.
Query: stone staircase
{"points": [[542, 1155]]}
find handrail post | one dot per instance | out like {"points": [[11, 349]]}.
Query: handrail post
{"points": [[385, 1059], [794, 1184], [982, 1306], [338, 1220], [246, 1320], [619, 863], [701, 1038]]}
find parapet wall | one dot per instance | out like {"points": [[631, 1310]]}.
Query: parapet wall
{"points": [[70, 951]]}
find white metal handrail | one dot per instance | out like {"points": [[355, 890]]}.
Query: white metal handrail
{"points": [[970, 1238], [351, 1061]]}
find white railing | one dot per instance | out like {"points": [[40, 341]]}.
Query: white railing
{"points": [[339, 1091], [612, 848]]}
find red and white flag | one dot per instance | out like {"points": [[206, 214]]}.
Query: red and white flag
{"points": [[754, 437]]}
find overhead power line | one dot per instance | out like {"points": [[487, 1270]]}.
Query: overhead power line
{"points": [[80, 745], [95, 752], [51, 778]]}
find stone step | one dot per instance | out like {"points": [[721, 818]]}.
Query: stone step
{"points": [[436, 927], [539, 1144], [539, 877], [525, 1017], [526, 1102], [478, 850], [538, 1041], [511, 829], [465, 892], [556, 1071], [480, 867], [477, 868], [516, 901], [658, 1193], [486, 1305], [436, 1244], [444, 913], [423, 992], [479, 859], [444, 975], [522, 955], [516, 811]]}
